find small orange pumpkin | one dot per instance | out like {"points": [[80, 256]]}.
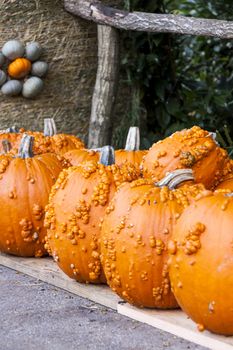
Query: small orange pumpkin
{"points": [[19, 68]]}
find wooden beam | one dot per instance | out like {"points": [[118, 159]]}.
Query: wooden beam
{"points": [[105, 91], [149, 22]]}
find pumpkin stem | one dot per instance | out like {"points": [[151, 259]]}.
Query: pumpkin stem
{"points": [[175, 178], [6, 145], [133, 139], [13, 129], [213, 135], [107, 155], [50, 128], [25, 147]]}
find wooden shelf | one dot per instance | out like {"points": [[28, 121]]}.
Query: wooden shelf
{"points": [[175, 322]]}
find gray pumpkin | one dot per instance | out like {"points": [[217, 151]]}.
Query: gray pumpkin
{"points": [[2, 59], [12, 88], [2, 77], [33, 51], [32, 87], [13, 49], [39, 68]]}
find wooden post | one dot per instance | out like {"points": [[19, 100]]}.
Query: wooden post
{"points": [[104, 96]]}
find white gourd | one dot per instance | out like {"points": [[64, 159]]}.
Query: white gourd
{"points": [[33, 51], [32, 87], [2, 77], [39, 68], [12, 88], [2, 59], [13, 49]]}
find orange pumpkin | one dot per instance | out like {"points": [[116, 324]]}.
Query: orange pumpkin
{"points": [[131, 153], [19, 68], [25, 183], [226, 181], [12, 135], [43, 143], [135, 231], [77, 156], [201, 262], [190, 148], [77, 203], [59, 143]]}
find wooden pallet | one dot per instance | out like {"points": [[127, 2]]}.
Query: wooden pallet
{"points": [[175, 322]]}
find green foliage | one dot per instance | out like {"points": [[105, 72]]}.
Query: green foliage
{"points": [[178, 81]]}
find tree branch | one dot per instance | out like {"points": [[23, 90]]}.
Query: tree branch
{"points": [[149, 22]]}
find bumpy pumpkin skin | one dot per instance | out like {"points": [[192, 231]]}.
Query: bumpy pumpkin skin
{"points": [[189, 148], [136, 228], [134, 157], [62, 143], [201, 263], [24, 191], [58, 144], [77, 203], [77, 156], [13, 138], [226, 181]]}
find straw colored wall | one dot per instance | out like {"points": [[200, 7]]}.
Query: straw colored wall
{"points": [[70, 48]]}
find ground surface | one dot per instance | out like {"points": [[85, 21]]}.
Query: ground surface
{"points": [[37, 316]]}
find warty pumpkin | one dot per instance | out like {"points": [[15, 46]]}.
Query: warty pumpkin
{"points": [[76, 204], [226, 181], [12, 135], [77, 156], [137, 226], [25, 183], [192, 148], [60, 143], [201, 262], [47, 142]]}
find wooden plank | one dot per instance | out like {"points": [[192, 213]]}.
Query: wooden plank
{"points": [[45, 269], [177, 323], [172, 321]]}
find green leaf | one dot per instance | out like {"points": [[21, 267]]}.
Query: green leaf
{"points": [[172, 106]]}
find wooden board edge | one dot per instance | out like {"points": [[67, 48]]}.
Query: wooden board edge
{"points": [[206, 339]]}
